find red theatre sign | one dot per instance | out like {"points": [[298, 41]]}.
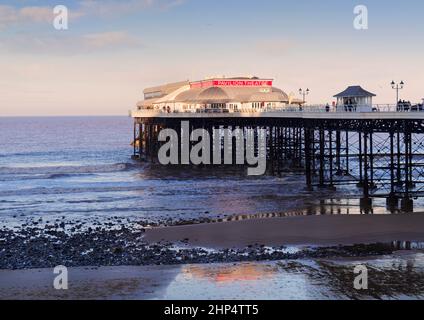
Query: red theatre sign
{"points": [[232, 83]]}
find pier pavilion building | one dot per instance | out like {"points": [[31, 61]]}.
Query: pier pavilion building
{"points": [[227, 95]]}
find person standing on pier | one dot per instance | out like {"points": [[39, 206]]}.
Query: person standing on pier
{"points": [[327, 108]]}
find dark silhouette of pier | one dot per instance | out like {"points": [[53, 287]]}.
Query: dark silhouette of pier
{"points": [[381, 153]]}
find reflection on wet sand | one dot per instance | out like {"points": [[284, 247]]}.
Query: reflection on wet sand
{"points": [[88, 283], [388, 278], [398, 276], [407, 245], [325, 207], [230, 273]]}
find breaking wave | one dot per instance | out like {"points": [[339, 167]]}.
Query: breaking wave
{"points": [[53, 172]]}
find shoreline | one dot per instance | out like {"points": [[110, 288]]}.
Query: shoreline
{"points": [[303, 230]]}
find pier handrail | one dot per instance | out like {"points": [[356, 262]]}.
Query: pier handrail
{"points": [[350, 108], [303, 109], [377, 111]]}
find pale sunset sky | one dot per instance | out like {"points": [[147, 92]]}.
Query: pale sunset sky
{"points": [[114, 49]]}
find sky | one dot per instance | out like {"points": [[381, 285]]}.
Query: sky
{"points": [[114, 49]]}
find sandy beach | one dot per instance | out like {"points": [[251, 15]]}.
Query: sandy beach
{"points": [[303, 230]]}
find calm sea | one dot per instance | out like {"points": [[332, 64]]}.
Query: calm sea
{"points": [[81, 168]]}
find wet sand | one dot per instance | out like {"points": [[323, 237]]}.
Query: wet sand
{"points": [[92, 283], [398, 276], [303, 230]]}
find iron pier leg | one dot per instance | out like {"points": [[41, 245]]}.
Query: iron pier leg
{"points": [[314, 168], [338, 153], [366, 201], [331, 158], [135, 139], [399, 150], [347, 153], [411, 162], [308, 169], [140, 140], [392, 200], [361, 181], [321, 157], [407, 204]]}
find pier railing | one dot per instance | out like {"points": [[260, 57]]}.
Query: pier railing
{"points": [[349, 109]]}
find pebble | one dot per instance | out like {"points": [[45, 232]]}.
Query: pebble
{"points": [[34, 245]]}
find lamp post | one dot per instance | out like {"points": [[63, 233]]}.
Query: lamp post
{"points": [[304, 93], [397, 87]]}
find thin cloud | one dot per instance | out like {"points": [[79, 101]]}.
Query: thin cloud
{"points": [[107, 8], [36, 14], [10, 15], [13, 15], [116, 7]]}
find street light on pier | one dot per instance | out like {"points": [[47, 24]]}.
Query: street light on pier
{"points": [[304, 93], [397, 87]]}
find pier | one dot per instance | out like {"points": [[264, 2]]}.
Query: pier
{"points": [[380, 152]]}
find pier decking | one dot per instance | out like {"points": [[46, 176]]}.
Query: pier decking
{"points": [[380, 152]]}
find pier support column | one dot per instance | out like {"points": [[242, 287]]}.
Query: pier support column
{"points": [[289, 144], [399, 152], [366, 201], [331, 160], [278, 150], [407, 205], [154, 142], [409, 183], [411, 162], [321, 157], [371, 162], [308, 134], [360, 159], [338, 153], [393, 200], [347, 153], [135, 156], [140, 140], [270, 148], [146, 141], [313, 151], [366, 178]]}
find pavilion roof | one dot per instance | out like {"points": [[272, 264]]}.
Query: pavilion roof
{"points": [[353, 92]]}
